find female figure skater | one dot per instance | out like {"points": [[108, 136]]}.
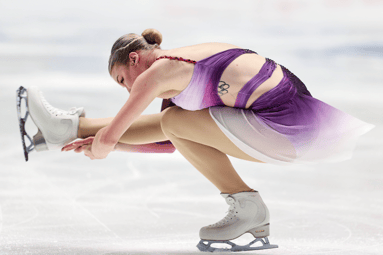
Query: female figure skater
{"points": [[226, 101]]}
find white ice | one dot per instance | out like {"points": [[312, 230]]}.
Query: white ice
{"points": [[64, 203]]}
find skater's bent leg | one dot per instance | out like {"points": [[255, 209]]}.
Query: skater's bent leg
{"points": [[197, 137], [146, 129]]}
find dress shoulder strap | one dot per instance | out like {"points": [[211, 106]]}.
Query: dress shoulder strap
{"points": [[222, 59], [179, 59]]}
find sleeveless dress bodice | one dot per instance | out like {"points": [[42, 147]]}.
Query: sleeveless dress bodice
{"points": [[285, 125], [202, 91]]}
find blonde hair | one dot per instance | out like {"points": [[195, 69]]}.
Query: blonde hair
{"points": [[149, 39]]}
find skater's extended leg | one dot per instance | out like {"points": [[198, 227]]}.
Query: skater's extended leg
{"points": [[57, 127], [197, 137], [146, 129], [89, 127]]}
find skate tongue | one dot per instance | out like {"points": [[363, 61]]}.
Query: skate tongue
{"points": [[80, 111], [225, 195]]}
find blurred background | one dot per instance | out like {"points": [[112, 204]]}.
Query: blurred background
{"points": [[63, 203]]}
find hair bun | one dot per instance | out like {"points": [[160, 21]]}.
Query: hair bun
{"points": [[152, 36]]}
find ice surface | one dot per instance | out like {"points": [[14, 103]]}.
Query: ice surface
{"points": [[64, 203]]}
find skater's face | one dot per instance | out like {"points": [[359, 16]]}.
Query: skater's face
{"points": [[125, 75], [122, 75]]}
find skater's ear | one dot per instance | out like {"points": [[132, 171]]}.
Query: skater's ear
{"points": [[133, 59]]}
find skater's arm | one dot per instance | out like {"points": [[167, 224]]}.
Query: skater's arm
{"points": [[158, 147], [144, 90]]}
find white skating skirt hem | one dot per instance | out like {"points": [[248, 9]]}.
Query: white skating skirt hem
{"points": [[251, 135]]}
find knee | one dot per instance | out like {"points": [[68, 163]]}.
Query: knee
{"points": [[169, 119]]}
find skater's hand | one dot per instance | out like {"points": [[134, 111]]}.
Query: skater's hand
{"points": [[80, 146]]}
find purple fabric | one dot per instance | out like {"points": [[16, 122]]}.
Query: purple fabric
{"points": [[284, 125], [290, 110], [248, 89], [287, 108], [287, 125], [202, 90]]}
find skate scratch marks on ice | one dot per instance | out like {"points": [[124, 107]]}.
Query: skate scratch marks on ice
{"points": [[149, 198], [104, 183], [347, 229], [135, 172], [155, 193], [341, 250], [97, 220], [95, 188], [36, 213], [136, 175], [76, 204]]}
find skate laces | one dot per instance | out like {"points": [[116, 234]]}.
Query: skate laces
{"points": [[56, 111], [230, 213]]}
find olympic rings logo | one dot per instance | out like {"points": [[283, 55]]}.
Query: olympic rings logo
{"points": [[223, 86]]}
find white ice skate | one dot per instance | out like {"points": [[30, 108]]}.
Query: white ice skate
{"points": [[55, 127], [247, 214]]}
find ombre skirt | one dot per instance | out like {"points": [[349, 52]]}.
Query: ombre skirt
{"points": [[286, 125]]}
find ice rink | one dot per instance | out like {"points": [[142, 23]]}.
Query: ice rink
{"points": [[64, 203]]}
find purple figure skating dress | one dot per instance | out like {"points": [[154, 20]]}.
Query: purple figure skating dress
{"points": [[285, 125]]}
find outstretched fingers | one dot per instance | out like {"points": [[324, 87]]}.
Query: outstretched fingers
{"points": [[79, 145]]}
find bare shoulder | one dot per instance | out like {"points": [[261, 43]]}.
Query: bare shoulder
{"points": [[166, 76]]}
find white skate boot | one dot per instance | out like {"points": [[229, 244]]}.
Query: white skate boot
{"points": [[55, 127], [247, 214]]}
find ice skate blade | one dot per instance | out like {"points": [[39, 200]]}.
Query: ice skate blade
{"points": [[207, 247], [21, 95]]}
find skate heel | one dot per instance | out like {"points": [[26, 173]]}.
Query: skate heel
{"points": [[39, 142], [261, 231]]}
